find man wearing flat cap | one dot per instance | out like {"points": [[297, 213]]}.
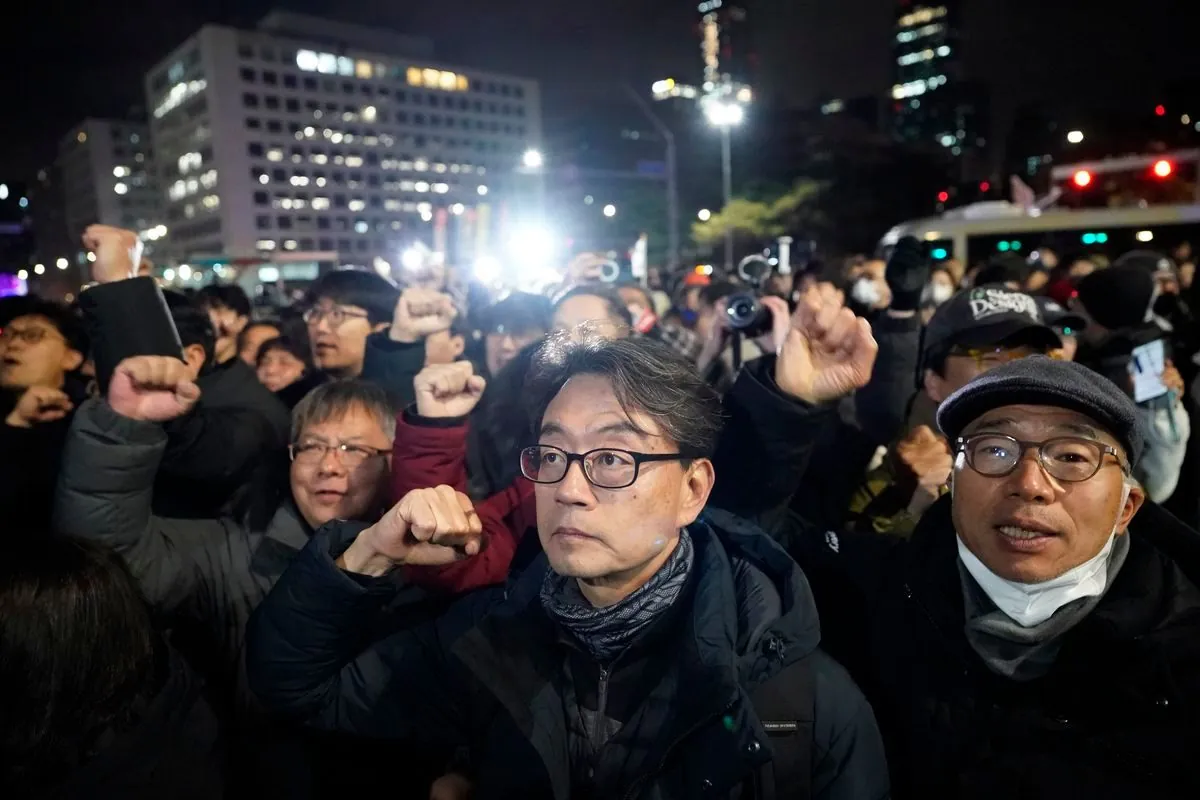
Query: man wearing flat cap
{"points": [[1039, 634]]}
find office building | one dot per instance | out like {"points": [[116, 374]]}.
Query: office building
{"points": [[105, 168], [933, 102], [306, 135]]}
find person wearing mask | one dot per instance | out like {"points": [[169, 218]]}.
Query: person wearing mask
{"points": [[229, 309], [939, 289], [252, 337], [1037, 635], [41, 351], [975, 331], [282, 362], [645, 652], [868, 290], [95, 704], [207, 575], [647, 323]]}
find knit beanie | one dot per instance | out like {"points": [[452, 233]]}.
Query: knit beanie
{"points": [[1117, 297]]}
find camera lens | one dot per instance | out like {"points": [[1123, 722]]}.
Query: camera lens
{"points": [[747, 315]]}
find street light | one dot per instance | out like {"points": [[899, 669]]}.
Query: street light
{"points": [[724, 114], [61, 263], [705, 215], [1075, 137], [38, 269], [533, 159], [610, 210]]}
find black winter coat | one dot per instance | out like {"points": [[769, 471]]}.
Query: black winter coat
{"points": [[490, 675]]}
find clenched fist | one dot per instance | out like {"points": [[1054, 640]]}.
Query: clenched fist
{"points": [[928, 457], [448, 390], [429, 527], [39, 404], [152, 388], [118, 253], [420, 313], [828, 353]]}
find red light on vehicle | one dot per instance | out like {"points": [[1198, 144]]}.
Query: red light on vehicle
{"points": [[943, 197], [1160, 110], [1082, 178], [1163, 168]]}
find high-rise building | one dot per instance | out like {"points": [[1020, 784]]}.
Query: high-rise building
{"points": [[933, 102], [106, 171], [313, 136]]}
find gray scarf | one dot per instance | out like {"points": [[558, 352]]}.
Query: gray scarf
{"points": [[1021, 653], [605, 632]]}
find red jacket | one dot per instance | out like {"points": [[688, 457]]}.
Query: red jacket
{"points": [[430, 453]]}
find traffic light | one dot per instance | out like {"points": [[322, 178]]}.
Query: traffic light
{"points": [[1163, 168], [1082, 178], [943, 196]]}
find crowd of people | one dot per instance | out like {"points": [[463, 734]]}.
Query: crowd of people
{"points": [[926, 532]]}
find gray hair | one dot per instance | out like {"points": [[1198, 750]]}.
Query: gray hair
{"points": [[646, 376], [336, 398]]}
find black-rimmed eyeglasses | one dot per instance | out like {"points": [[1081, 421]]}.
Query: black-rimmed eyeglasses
{"points": [[604, 468], [1067, 459]]}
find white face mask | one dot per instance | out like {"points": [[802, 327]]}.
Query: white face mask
{"points": [[940, 293], [1031, 604], [866, 292]]}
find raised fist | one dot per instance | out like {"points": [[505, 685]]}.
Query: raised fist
{"points": [[448, 390], [428, 527], [152, 388], [828, 352], [421, 312], [118, 253], [39, 404], [586, 268], [928, 457]]}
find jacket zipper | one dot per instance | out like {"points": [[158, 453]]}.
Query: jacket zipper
{"points": [[602, 695], [637, 785]]}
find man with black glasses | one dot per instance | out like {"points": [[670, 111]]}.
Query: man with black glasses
{"points": [[645, 653], [1033, 639]]}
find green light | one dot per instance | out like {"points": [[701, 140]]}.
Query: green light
{"points": [[1016, 245], [1089, 238], [1101, 238], [1002, 247], [939, 253]]}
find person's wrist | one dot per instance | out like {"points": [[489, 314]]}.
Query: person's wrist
{"points": [[15, 420], [362, 558], [403, 335]]}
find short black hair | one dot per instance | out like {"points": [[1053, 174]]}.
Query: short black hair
{"points": [[646, 376], [66, 321], [192, 322], [225, 295], [350, 287], [519, 312], [612, 300], [79, 656], [300, 350], [262, 323]]}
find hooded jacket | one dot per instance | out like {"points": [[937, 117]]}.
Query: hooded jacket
{"points": [[492, 674]]}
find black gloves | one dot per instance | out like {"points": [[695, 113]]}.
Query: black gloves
{"points": [[907, 273]]}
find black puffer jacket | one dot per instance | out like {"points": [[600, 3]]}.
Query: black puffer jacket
{"points": [[490, 675]]}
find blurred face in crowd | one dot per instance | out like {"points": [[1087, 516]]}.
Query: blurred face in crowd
{"points": [[1187, 272], [870, 288], [613, 540], [227, 324], [962, 367], [1028, 526], [941, 286], [500, 347], [35, 354], [443, 348], [254, 339], [710, 317], [590, 312], [328, 483], [1080, 268], [339, 337], [1036, 280], [639, 305], [277, 369]]}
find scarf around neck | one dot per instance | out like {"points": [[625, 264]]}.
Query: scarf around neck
{"points": [[605, 632]]}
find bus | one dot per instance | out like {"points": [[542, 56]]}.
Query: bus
{"points": [[974, 233]]}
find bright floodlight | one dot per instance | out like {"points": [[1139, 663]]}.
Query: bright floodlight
{"points": [[185, 272], [61, 263], [704, 215], [412, 259], [532, 246], [533, 159], [487, 269], [1075, 137], [38, 269], [724, 114], [610, 210]]}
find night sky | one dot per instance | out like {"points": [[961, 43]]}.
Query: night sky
{"points": [[61, 61]]}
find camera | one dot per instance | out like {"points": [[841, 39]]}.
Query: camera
{"points": [[610, 272], [746, 314]]}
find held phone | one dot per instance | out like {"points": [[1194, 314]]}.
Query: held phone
{"points": [[1147, 363]]}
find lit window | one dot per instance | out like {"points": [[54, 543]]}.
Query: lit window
{"points": [[920, 16], [188, 162], [275, 155], [209, 179], [441, 188], [362, 69], [327, 63], [345, 66], [290, 244], [264, 179], [430, 77], [369, 114], [419, 165], [211, 201], [177, 95], [357, 205], [307, 60], [354, 161], [265, 244], [421, 186], [448, 81], [391, 205], [120, 188], [944, 50], [360, 226], [413, 76], [439, 168], [320, 203], [463, 83]]}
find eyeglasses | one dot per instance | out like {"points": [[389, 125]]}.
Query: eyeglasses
{"points": [[350, 455], [336, 315], [1068, 459], [29, 336], [604, 468], [989, 357]]}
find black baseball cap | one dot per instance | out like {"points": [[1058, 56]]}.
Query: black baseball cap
{"points": [[1060, 318], [1043, 381], [985, 316]]}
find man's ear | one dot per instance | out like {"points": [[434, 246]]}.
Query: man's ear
{"points": [[195, 357], [458, 344], [72, 360], [693, 492], [935, 386], [1137, 496]]}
